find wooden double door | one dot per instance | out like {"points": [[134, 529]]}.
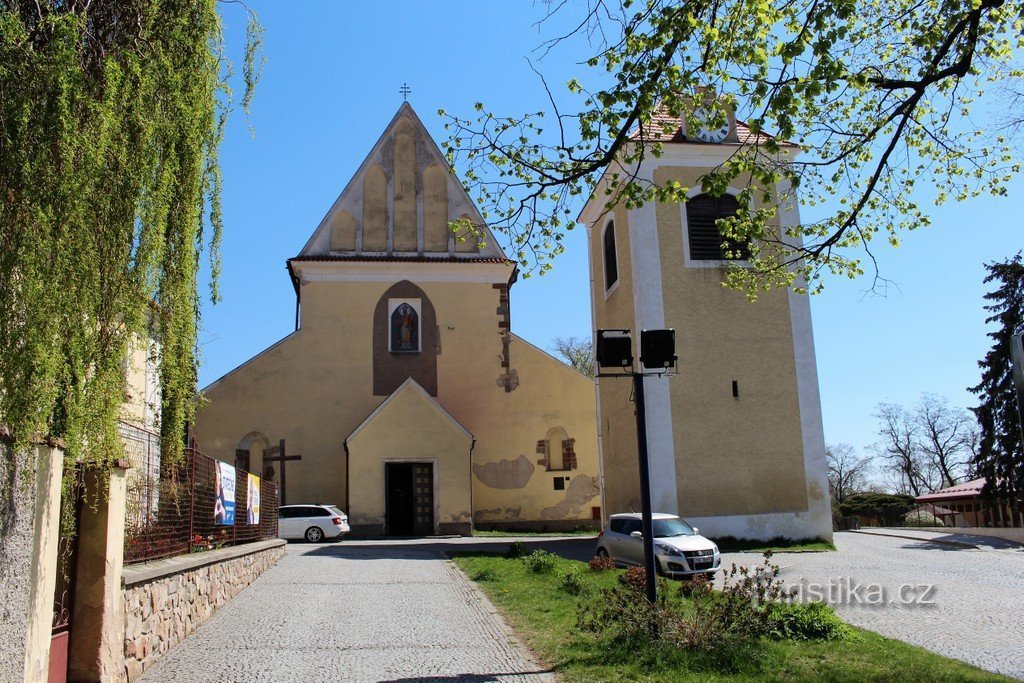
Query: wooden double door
{"points": [[409, 499]]}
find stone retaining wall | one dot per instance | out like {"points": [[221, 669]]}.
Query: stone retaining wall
{"points": [[165, 601]]}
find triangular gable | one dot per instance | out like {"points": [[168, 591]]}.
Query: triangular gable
{"points": [[409, 390], [404, 204]]}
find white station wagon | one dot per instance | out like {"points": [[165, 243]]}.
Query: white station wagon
{"points": [[311, 522], [678, 549]]}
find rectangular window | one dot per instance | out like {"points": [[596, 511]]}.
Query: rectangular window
{"points": [[559, 483]]}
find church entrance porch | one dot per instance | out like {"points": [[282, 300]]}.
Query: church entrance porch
{"points": [[408, 498]]}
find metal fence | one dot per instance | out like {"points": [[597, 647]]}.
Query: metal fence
{"points": [[186, 506]]}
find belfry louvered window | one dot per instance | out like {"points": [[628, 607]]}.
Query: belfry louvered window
{"points": [[706, 241]]}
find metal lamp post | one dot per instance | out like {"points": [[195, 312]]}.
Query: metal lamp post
{"points": [[657, 353]]}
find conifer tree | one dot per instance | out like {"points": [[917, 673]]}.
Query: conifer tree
{"points": [[999, 459]]}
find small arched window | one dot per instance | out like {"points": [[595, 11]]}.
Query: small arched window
{"points": [[706, 241], [611, 261], [405, 328]]}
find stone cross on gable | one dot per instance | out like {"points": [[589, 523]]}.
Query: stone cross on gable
{"points": [[277, 454], [404, 91]]}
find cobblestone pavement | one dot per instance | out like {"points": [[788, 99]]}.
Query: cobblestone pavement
{"points": [[975, 596], [375, 610], [354, 612]]}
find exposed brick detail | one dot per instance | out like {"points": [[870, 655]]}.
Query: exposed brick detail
{"points": [[569, 454], [510, 379]]}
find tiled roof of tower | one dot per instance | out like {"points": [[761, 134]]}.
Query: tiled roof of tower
{"points": [[416, 258], [656, 131]]}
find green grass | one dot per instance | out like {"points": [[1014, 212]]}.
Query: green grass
{"points": [[500, 534], [545, 616], [730, 544]]}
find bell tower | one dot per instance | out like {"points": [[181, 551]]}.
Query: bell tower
{"points": [[735, 440]]}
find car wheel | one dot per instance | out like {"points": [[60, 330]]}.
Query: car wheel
{"points": [[314, 534], [601, 552], [710, 576]]}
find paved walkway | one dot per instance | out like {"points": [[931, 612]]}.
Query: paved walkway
{"points": [[960, 601], [354, 612], [395, 611]]}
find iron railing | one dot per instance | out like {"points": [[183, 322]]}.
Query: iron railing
{"points": [[173, 507]]}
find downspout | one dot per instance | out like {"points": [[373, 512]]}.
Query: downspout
{"points": [[472, 510], [348, 500]]}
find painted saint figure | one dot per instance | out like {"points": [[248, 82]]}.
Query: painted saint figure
{"points": [[404, 329]]}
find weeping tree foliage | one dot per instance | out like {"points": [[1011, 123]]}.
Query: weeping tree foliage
{"points": [[1000, 458], [875, 95], [111, 113]]}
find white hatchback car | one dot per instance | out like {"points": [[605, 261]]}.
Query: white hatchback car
{"points": [[678, 549], [311, 522]]}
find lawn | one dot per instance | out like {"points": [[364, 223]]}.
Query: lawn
{"points": [[545, 616]]}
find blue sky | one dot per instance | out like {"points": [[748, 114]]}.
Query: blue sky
{"points": [[330, 86]]}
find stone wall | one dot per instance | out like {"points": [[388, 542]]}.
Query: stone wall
{"points": [[166, 600]]}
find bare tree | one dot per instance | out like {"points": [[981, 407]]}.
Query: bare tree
{"points": [[576, 352], [945, 437], [899, 448], [847, 473]]}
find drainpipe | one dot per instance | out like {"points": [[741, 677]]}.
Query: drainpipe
{"points": [[348, 500], [472, 510]]}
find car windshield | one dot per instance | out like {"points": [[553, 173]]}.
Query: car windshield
{"points": [[335, 510], [664, 528]]}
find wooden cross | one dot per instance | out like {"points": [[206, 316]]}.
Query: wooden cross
{"points": [[278, 454], [405, 90]]}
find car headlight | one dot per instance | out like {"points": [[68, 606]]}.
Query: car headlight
{"points": [[668, 550]]}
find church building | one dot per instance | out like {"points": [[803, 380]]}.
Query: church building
{"points": [[413, 405], [735, 440]]}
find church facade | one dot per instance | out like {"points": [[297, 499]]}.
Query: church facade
{"points": [[413, 405], [735, 440]]}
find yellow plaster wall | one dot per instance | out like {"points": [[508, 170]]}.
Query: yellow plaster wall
{"points": [[405, 172], [410, 428], [435, 208], [311, 389], [315, 387], [618, 426], [727, 449], [343, 232], [375, 222], [135, 409]]}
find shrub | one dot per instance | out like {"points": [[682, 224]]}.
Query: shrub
{"points": [[572, 581], [922, 517], [485, 574], [540, 561], [635, 578], [804, 621], [516, 549], [695, 587], [602, 564]]}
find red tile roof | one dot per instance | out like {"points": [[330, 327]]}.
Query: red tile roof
{"points": [[968, 489], [382, 258], [655, 131]]}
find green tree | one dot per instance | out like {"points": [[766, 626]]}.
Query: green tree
{"points": [[874, 94], [886, 509], [999, 458], [111, 114]]}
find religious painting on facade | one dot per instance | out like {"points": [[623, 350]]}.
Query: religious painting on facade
{"points": [[405, 328], [252, 500], [224, 494]]}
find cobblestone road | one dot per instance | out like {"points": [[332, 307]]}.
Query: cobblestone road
{"points": [[369, 611], [977, 596], [353, 612]]}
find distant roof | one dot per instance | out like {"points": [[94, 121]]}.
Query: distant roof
{"points": [[966, 490], [655, 131]]}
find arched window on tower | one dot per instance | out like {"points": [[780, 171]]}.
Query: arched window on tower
{"points": [[706, 242], [405, 327], [611, 259]]}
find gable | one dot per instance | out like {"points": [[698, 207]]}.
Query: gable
{"points": [[399, 203], [409, 411]]}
